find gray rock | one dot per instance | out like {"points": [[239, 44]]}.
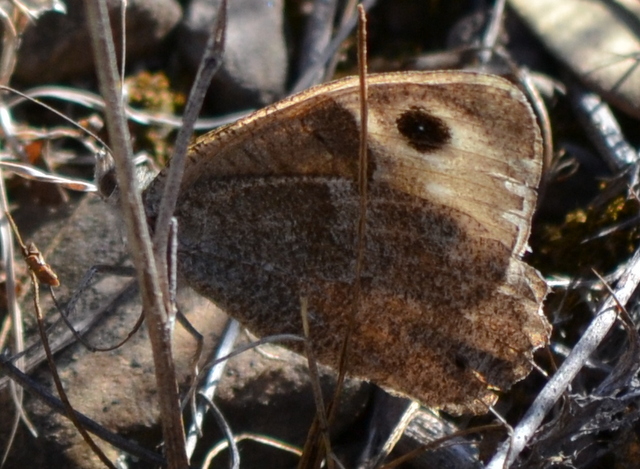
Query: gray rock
{"points": [[58, 47], [254, 69]]}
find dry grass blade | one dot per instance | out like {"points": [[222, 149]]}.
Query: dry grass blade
{"points": [[217, 449], [94, 101], [222, 423], [312, 454], [14, 322], [321, 445]]}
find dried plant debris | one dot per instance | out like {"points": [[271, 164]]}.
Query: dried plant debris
{"points": [[584, 235]]}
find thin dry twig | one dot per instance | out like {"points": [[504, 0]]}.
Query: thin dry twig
{"points": [[317, 36], [306, 80], [154, 307], [209, 65]]}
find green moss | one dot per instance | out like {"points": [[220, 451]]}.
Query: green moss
{"points": [[598, 237]]}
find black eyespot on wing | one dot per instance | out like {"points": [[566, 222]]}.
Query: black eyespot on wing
{"points": [[423, 131], [461, 362]]}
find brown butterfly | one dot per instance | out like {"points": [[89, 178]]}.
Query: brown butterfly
{"points": [[268, 213]]}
